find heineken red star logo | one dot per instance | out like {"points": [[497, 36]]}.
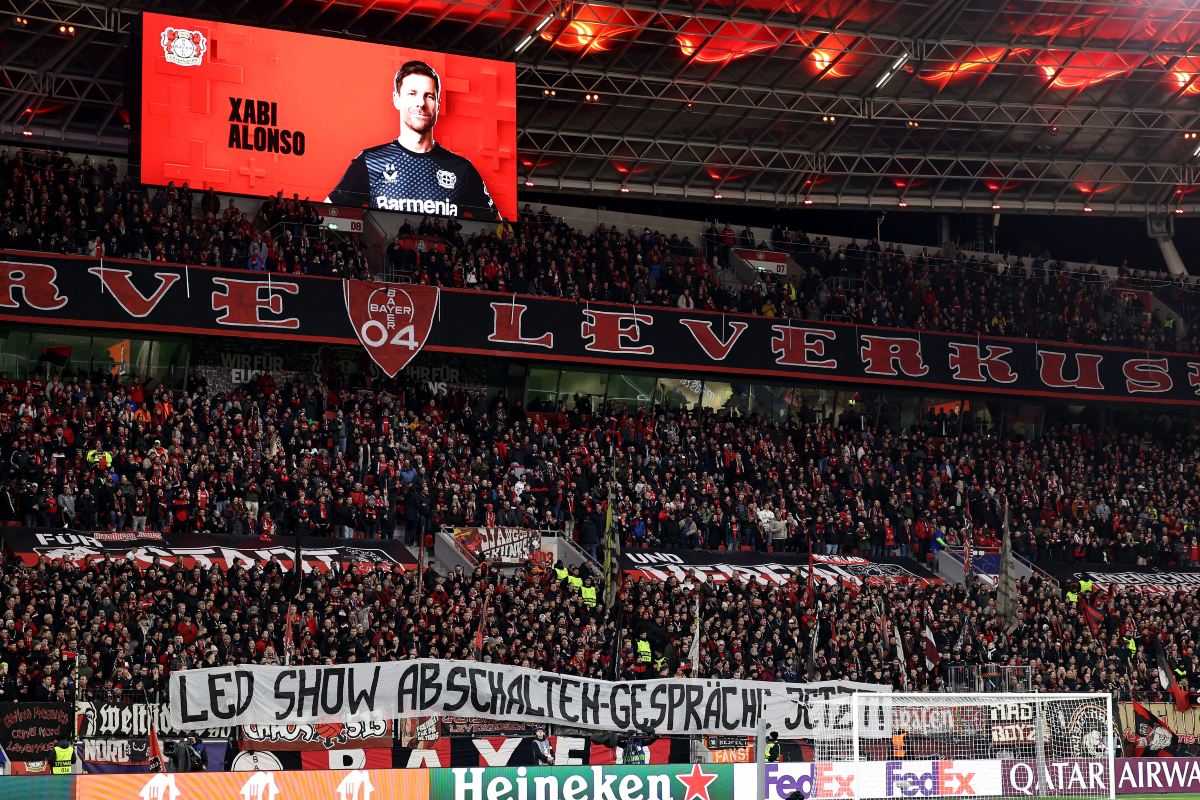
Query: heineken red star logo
{"points": [[696, 782]]}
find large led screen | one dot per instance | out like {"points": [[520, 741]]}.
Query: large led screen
{"points": [[255, 111]]}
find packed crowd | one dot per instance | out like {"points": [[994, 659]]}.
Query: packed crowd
{"points": [[270, 460], [53, 205]]}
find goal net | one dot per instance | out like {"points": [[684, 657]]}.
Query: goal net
{"points": [[984, 745]]}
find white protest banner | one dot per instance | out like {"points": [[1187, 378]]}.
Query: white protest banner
{"points": [[262, 695]]}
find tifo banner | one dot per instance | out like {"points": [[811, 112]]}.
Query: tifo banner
{"points": [[28, 731], [696, 566], [326, 736], [204, 550], [262, 695], [653, 782], [132, 720], [396, 322], [477, 726], [374, 784], [499, 544], [1184, 724], [1123, 577]]}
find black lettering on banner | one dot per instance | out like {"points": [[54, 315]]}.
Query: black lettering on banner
{"points": [[634, 704], [330, 673], [694, 696], [619, 712], [215, 695], [264, 113], [496, 684], [354, 693], [516, 702], [591, 703], [309, 691], [429, 680], [725, 691], [285, 142], [534, 711], [549, 681], [260, 139], [475, 693], [274, 114], [273, 140], [674, 701], [408, 686], [657, 704], [298, 143], [712, 710], [235, 110], [188, 719], [280, 694], [235, 137], [564, 699], [244, 680], [452, 685], [751, 698], [248, 114], [801, 710]]}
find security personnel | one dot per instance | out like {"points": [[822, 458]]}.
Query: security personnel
{"points": [[898, 750], [99, 458], [643, 648], [1073, 593], [64, 757], [588, 592], [575, 582], [1085, 586], [774, 751], [659, 661], [560, 572]]}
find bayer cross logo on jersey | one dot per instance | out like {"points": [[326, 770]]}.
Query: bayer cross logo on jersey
{"points": [[391, 322], [446, 179]]}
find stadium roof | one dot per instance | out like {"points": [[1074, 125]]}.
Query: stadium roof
{"points": [[952, 105]]}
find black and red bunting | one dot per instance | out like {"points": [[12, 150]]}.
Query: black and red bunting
{"points": [[396, 322]]}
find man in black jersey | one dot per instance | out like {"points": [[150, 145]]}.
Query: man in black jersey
{"points": [[413, 173]]}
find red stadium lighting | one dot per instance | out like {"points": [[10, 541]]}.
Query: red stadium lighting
{"points": [[716, 195], [808, 201], [1178, 210], [27, 132], [995, 206], [1087, 209], [528, 182], [903, 204], [624, 190]]}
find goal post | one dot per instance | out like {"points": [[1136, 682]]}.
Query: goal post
{"points": [[1008, 745]]}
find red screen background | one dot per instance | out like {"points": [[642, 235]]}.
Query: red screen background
{"points": [[337, 92]]}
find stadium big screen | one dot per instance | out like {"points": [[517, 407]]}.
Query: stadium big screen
{"points": [[254, 111]]}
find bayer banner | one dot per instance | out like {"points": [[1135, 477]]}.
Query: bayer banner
{"points": [[349, 693]]}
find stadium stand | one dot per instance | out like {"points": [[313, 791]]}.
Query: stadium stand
{"points": [[103, 453]]}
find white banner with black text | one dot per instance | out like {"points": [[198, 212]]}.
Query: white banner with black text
{"points": [[262, 695]]}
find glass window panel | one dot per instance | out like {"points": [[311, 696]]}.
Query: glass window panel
{"points": [[721, 396], [584, 390], [771, 402], [814, 403], [14, 352], [541, 389], [631, 391], [678, 393], [78, 361]]}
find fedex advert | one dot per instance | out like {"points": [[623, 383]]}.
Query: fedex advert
{"points": [[253, 111]]}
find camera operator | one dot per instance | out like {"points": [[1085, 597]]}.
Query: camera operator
{"points": [[187, 755]]}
